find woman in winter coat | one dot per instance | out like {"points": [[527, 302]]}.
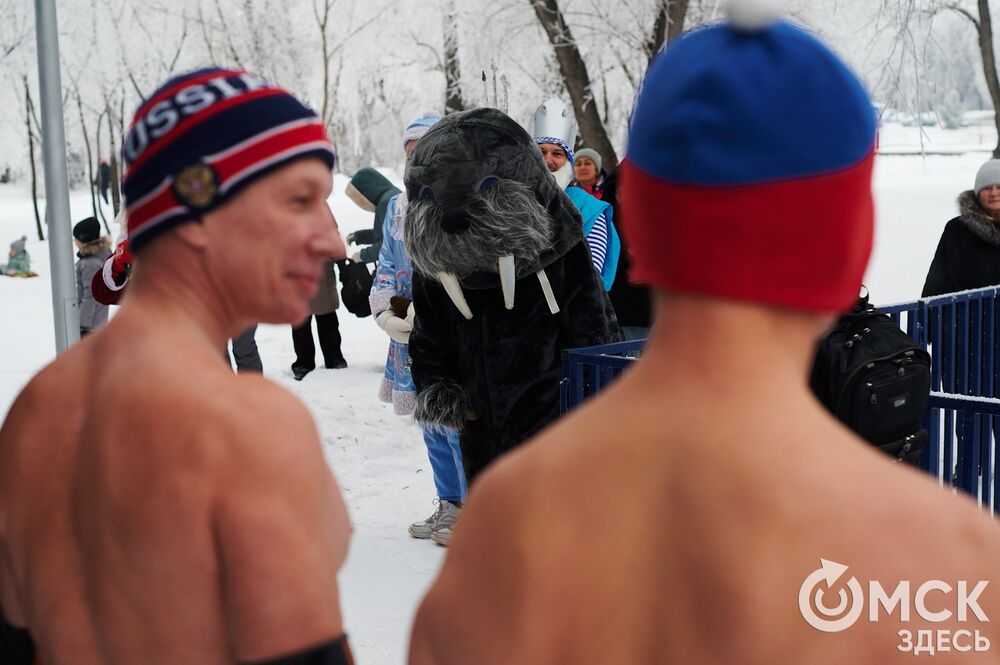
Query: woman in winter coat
{"points": [[588, 173], [324, 307], [968, 254], [92, 250]]}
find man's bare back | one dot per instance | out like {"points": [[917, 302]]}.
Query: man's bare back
{"points": [[688, 541], [154, 507], [144, 491]]}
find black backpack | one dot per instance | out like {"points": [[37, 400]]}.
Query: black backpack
{"points": [[875, 379], [356, 284]]}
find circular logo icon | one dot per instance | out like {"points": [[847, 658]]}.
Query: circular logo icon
{"points": [[817, 585], [196, 186]]}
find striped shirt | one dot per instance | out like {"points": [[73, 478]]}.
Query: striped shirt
{"points": [[597, 240]]}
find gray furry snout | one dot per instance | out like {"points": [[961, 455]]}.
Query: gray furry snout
{"points": [[504, 219]]}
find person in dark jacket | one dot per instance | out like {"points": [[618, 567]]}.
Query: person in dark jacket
{"points": [[92, 250], [487, 222], [104, 179], [632, 302], [371, 191], [968, 253], [968, 257]]}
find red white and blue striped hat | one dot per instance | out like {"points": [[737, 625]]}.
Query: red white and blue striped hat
{"points": [[748, 174], [201, 137]]}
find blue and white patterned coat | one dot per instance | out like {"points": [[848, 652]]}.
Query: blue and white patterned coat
{"points": [[394, 278]]}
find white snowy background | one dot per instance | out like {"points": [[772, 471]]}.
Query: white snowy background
{"points": [[385, 67]]}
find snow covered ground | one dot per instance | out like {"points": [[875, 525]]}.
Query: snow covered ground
{"points": [[379, 458]]}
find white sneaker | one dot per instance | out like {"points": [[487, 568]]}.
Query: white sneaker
{"points": [[443, 517], [442, 536]]}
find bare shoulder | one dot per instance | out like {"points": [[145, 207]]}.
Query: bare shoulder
{"points": [[269, 429]]}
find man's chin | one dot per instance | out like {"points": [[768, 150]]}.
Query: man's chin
{"points": [[292, 313]]}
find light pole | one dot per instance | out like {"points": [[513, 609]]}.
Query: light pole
{"points": [[65, 315]]}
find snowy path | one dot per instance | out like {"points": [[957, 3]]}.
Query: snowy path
{"points": [[379, 458]]}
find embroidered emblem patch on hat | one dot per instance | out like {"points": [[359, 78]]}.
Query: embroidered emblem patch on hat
{"points": [[197, 186]]}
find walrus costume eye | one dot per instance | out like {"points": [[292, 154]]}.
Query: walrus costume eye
{"points": [[503, 282]]}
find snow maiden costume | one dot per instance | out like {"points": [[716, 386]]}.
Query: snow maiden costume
{"points": [[503, 283]]}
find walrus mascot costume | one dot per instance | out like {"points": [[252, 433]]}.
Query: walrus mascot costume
{"points": [[503, 282]]}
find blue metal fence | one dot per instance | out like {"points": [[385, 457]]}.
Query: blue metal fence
{"points": [[962, 333]]}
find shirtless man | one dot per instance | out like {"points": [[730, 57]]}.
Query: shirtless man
{"points": [[155, 507], [677, 517]]}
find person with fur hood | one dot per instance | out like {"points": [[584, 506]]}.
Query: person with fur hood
{"points": [[968, 254], [92, 250], [503, 283]]}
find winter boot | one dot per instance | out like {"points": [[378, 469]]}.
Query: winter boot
{"points": [[443, 517]]}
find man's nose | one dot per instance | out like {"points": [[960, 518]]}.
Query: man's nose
{"points": [[327, 242]]}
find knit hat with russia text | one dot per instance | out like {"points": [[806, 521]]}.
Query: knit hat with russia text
{"points": [[749, 165], [201, 137]]}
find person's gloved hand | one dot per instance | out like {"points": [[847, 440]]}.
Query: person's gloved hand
{"points": [[121, 263], [398, 329], [356, 257], [350, 238]]}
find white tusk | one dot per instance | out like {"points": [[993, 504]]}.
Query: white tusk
{"points": [[454, 291], [550, 298], [507, 279]]}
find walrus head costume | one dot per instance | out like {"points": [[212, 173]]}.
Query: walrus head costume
{"points": [[503, 282]]}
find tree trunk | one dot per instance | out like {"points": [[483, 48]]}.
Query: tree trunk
{"points": [[576, 78], [90, 160], [668, 25], [28, 111], [985, 29], [677, 14], [453, 101], [116, 197], [97, 144]]}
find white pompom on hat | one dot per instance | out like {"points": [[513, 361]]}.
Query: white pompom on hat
{"points": [[989, 174], [752, 15]]}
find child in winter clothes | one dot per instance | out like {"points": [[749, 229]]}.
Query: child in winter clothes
{"points": [[92, 250], [20, 262]]}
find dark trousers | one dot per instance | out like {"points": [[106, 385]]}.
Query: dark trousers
{"points": [[328, 328], [245, 352], [16, 647]]}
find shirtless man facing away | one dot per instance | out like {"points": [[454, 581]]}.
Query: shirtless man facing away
{"points": [[676, 517], [154, 506]]}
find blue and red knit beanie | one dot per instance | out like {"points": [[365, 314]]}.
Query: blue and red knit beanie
{"points": [[201, 137], [749, 165]]}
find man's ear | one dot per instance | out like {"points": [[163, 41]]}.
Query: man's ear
{"points": [[193, 234]]}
